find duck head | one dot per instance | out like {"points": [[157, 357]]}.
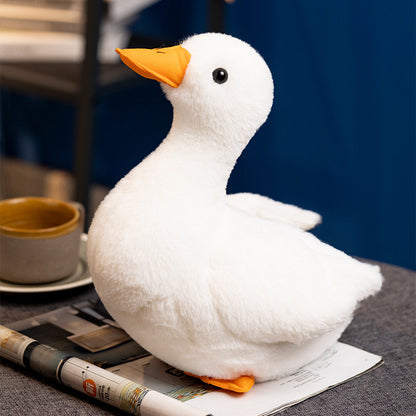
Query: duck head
{"points": [[217, 84]]}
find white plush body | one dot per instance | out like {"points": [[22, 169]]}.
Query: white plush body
{"points": [[219, 285]]}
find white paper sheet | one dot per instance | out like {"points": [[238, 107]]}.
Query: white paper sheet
{"points": [[337, 365]]}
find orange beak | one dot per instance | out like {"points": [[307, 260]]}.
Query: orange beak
{"points": [[166, 65]]}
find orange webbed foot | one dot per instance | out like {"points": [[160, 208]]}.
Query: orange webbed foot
{"points": [[240, 384]]}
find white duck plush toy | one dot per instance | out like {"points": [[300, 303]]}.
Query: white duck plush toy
{"points": [[230, 288]]}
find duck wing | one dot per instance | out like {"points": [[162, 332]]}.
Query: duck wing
{"points": [[267, 208], [271, 282]]}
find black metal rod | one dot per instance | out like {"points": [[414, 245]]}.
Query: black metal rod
{"points": [[84, 129], [216, 16]]}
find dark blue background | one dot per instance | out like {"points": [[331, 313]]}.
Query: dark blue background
{"points": [[341, 136]]}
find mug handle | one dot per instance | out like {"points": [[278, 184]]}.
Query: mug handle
{"points": [[81, 210]]}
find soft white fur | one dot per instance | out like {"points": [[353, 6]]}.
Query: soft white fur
{"points": [[214, 284]]}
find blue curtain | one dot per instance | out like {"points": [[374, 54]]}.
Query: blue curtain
{"points": [[341, 136]]}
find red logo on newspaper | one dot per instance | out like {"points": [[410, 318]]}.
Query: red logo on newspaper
{"points": [[89, 387]]}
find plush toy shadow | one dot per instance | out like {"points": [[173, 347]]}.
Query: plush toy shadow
{"points": [[230, 288]]}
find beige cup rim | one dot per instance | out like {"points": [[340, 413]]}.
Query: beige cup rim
{"points": [[48, 232]]}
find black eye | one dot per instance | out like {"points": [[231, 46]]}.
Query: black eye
{"points": [[220, 75]]}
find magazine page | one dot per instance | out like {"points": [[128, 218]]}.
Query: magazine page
{"points": [[337, 365]]}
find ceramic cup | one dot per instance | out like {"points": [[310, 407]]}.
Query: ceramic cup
{"points": [[39, 239]]}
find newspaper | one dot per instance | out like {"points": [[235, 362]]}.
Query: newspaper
{"points": [[85, 332]]}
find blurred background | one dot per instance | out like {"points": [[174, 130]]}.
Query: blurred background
{"points": [[340, 139]]}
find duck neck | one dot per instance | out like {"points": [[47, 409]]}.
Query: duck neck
{"points": [[205, 155]]}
